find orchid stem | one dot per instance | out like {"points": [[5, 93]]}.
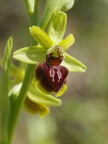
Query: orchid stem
{"points": [[26, 83]]}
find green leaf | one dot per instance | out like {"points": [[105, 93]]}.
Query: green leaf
{"points": [[57, 26], [73, 64], [38, 96], [41, 37], [4, 86], [30, 55], [67, 42]]}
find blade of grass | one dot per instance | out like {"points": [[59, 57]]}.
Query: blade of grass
{"points": [[4, 86]]}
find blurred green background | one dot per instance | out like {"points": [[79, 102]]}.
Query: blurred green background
{"points": [[83, 116]]}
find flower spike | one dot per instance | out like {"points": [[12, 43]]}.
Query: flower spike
{"points": [[52, 62]]}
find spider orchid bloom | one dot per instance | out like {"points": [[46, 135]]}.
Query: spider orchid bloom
{"points": [[52, 62], [50, 75]]}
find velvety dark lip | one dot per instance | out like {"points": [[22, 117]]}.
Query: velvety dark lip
{"points": [[51, 77]]}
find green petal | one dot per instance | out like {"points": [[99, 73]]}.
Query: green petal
{"points": [[41, 37], [57, 26], [30, 55], [73, 64], [38, 96], [67, 42]]}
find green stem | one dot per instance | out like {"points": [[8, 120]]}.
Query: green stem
{"points": [[20, 100], [34, 16], [25, 86]]}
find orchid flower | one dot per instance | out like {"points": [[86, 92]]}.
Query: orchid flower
{"points": [[52, 62]]}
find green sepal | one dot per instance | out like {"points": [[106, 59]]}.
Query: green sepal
{"points": [[38, 96], [73, 64], [67, 42], [68, 5], [30, 55], [57, 26], [41, 37]]}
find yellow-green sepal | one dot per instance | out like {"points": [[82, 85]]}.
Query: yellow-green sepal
{"points": [[30, 55], [73, 64]]}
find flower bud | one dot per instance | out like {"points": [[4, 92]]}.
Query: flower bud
{"points": [[68, 5]]}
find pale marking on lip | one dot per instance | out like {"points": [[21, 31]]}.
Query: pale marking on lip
{"points": [[52, 73]]}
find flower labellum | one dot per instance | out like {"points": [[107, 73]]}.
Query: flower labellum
{"points": [[51, 75]]}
